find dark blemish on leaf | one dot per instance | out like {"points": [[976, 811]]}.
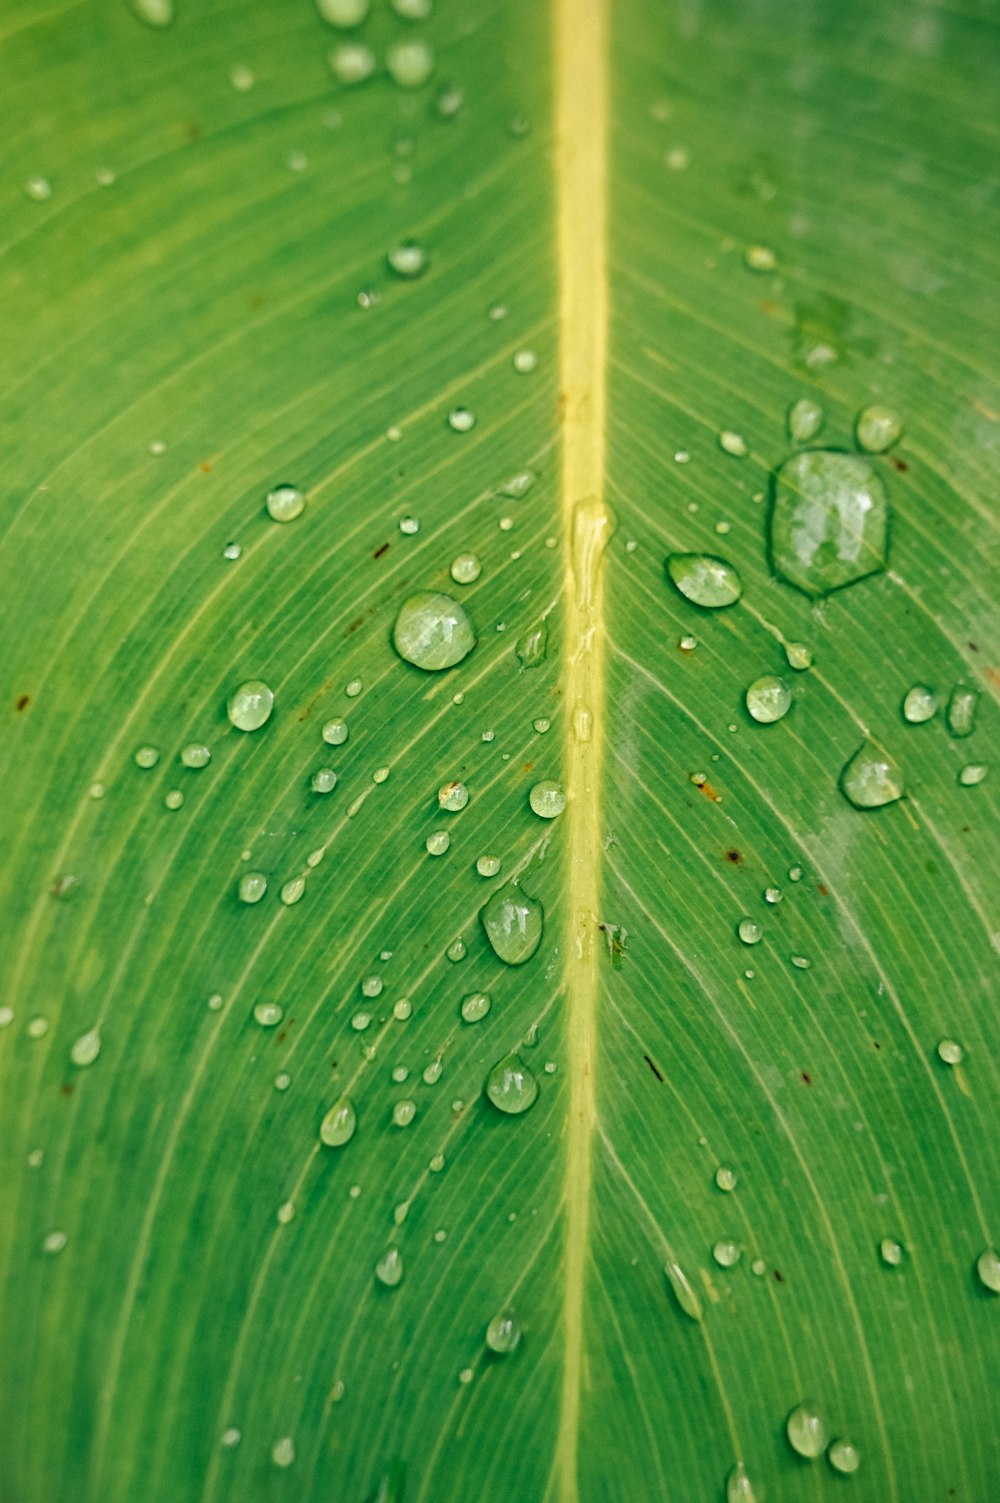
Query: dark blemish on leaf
{"points": [[617, 938], [709, 792], [821, 888], [383, 548], [358, 621], [899, 464], [734, 856], [23, 702], [66, 1088], [653, 1068], [527, 766], [806, 1078], [205, 467], [876, 1043], [779, 1276]]}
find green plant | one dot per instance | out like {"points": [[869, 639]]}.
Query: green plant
{"points": [[550, 307]]}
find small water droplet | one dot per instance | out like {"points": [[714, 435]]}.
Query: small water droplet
{"points": [[683, 1291], [961, 711], [541, 725], [518, 485], [353, 688], [733, 443], [829, 521], [759, 258], [251, 887], [86, 1048], [437, 843], [232, 551], [795, 873], [284, 503], [806, 1431], [726, 1253], [361, 1021], [339, 1124], [772, 894], [799, 656], [39, 188], [704, 579], [739, 1488], [408, 260], [988, 1269], [282, 1081], [475, 1006], [950, 1052], [146, 757], [877, 429], [433, 632], [805, 419], [843, 1456], [801, 962], [230, 1438], [919, 704], [449, 102], [725, 1178], [511, 1086], [402, 1009], [283, 1451], [389, 1268], [410, 63], [871, 779], [768, 699], [749, 931], [687, 643], [335, 732], [487, 866], [461, 420], [503, 1333], [292, 890], [53, 1243], [409, 526], [891, 1252], [513, 924], [6, 1016], [241, 78], [404, 1112], [250, 705], [453, 796], [324, 780], [352, 63], [525, 361], [173, 799], [466, 569], [972, 774], [456, 951], [196, 754], [157, 13], [285, 1212], [547, 799], [533, 644], [268, 1014]]}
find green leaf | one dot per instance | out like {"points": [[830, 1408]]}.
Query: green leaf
{"points": [[721, 1149]]}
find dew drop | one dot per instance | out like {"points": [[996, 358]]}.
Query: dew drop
{"points": [[799, 656], [352, 63], [843, 1456], [511, 1087], [726, 1253], [268, 1014], [513, 924], [805, 419], [683, 1291], [725, 1178], [487, 866], [53, 1243], [339, 1124], [525, 361], [547, 799], [961, 711], [891, 1252], [433, 632], [461, 420], [768, 699], [230, 1438], [86, 1048], [456, 951], [475, 1007], [988, 1269], [518, 485], [173, 799], [733, 443], [335, 732], [284, 503], [409, 526], [950, 1052], [877, 429], [772, 894], [324, 780], [146, 757], [503, 1333], [829, 521], [39, 188], [453, 797], [410, 63], [749, 931], [408, 260], [871, 779], [196, 754], [292, 891], [157, 13], [806, 1431], [402, 1009], [404, 1112], [251, 887], [759, 258], [353, 688], [972, 774], [283, 1451], [437, 843], [919, 704], [739, 1488], [389, 1268], [704, 579], [466, 568], [250, 705]]}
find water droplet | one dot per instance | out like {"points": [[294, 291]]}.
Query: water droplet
{"points": [[461, 419], [725, 1178], [53, 1243], [335, 732], [437, 843], [283, 1451], [961, 711], [410, 63], [409, 526], [352, 62], [449, 102], [154, 12], [282, 1081], [759, 258], [432, 1073], [380, 774], [726, 1253], [475, 1007], [704, 579], [950, 1052], [389, 1268], [408, 260], [503, 1333], [877, 429], [146, 757], [533, 644], [324, 780], [173, 799], [487, 866], [758, 1267], [372, 986], [456, 951], [353, 688], [768, 699], [829, 521], [801, 962], [466, 569], [772, 894], [807, 1434], [749, 931], [799, 656], [453, 796], [919, 704], [39, 188], [683, 1292], [433, 632], [518, 485], [251, 887], [972, 774], [404, 1112], [241, 78], [891, 1252], [292, 890], [795, 873], [284, 503], [6, 1016], [412, 10], [511, 1086], [86, 1048], [361, 1021], [250, 705], [232, 551], [268, 1014], [843, 1456], [525, 361], [339, 1124], [988, 1269], [196, 754], [285, 1212], [547, 799], [733, 443], [871, 778], [805, 419], [738, 1486], [513, 924], [402, 1009], [230, 1438]]}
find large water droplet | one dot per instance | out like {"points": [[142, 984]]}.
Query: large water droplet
{"points": [[453, 797], [726, 1253], [511, 1086], [768, 699], [251, 887], [961, 712], [806, 1431], [339, 1124], [432, 631], [988, 1269], [410, 63], [877, 429], [284, 503], [250, 705], [871, 778], [389, 1268], [513, 923], [196, 755], [683, 1291], [738, 1486], [829, 521], [475, 1007], [283, 1451], [466, 569], [503, 1333], [352, 62], [547, 799], [972, 774], [268, 1014], [704, 579]]}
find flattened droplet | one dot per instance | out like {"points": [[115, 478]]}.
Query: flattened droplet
{"points": [[158, 13], [961, 711], [503, 1334], [805, 419], [250, 705], [389, 1268], [919, 704], [511, 1086], [871, 779], [513, 923], [988, 1269], [683, 1291], [768, 699], [806, 1431], [844, 1456], [339, 1124], [284, 503], [738, 1486], [877, 429], [433, 632], [86, 1048], [829, 523], [704, 579]]}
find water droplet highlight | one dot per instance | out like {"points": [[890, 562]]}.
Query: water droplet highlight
{"points": [[250, 705], [547, 799], [877, 429], [704, 579], [475, 1007], [513, 924], [433, 632], [829, 521], [919, 704], [503, 1333], [768, 699], [339, 1124], [389, 1268], [86, 1048], [871, 779], [683, 1291], [805, 419], [511, 1086], [844, 1456], [284, 503], [806, 1431], [961, 711]]}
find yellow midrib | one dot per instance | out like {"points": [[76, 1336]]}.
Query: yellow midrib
{"points": [[581, 110]]}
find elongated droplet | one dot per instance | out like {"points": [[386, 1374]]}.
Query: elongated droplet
{"points": [[533, 644], [389, 1268], [972, 774], [252, 887], [283, 1451], [871, 778], [250, 705], [503, 1333], [196, 755], [86, 1048], [704, 579], [339, 1124], [805, 419], [988, 1269], [829, 524], [513, 923], [806, 1431], [683, 1292], [511, 1086], [475, 1007], [738, 1486], [844, 1455], [433, 632], [157, 13], [961, 712]]}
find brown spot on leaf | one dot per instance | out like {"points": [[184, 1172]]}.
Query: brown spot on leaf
{"points": [[23, 702]]}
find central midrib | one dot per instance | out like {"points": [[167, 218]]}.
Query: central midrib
{"points": [[581, 111]]}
